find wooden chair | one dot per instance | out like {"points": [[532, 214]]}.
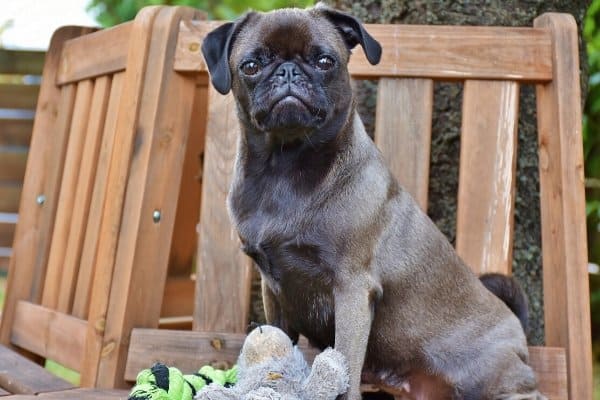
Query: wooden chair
{"points": [[492, 63], [133, 249], [99, 203]]}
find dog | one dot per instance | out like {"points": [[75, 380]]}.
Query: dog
{"points": [[346, 256]]}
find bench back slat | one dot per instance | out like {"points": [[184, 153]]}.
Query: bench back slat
{"points": [[84, 186], [92, 227], [440, 52], [486, 191], [562, 195], [403, 131], [219, 253], [66, 198]]}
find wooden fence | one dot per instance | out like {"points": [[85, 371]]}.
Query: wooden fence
{"points": [[20, 73]]}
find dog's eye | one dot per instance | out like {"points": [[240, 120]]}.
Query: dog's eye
{"points": [[325, 63], [250, 68]]}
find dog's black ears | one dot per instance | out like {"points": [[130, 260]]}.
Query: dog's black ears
{"points": [[216, 48], [353, 33]]}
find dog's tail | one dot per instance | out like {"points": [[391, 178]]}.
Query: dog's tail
{"points": [[507, 289]]}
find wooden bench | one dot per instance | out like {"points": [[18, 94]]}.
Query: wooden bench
{"points": [[112, 231]]}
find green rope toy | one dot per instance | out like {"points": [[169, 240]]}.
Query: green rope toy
{"points": [[168, 383]]}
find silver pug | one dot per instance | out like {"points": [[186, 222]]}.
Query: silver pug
{"points": [[346, 255]]}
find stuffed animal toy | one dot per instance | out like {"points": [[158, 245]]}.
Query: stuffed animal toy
{"points": [[270, 367]]}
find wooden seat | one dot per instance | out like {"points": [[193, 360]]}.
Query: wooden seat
{"points": [[131, 249]]}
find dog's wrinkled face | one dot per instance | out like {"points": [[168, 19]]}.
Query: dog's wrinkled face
{"points": [[287, 68]]}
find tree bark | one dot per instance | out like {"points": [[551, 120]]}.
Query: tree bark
{"points": [[443, 183]]}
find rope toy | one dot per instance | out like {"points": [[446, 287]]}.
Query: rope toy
{"points": [[168, 383]]}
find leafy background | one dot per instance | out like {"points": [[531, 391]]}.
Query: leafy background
{"points": [[591, 149], [112, 12]]}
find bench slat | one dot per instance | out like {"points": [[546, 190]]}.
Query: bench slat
{"points": [[67, 200], [20, 375], [444, 52], [109, 55], [49, 333], [188, 351], [403, 131], [486, 190], [562, 207], [221, 304], [83, 192], [90, 244]]}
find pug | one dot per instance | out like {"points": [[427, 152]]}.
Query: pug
{"points": [[346, 256]]}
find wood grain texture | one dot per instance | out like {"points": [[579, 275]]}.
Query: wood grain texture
{"points": [[403, 132], [20, 375], [42, 177], [51, 334], [153, 186], [550, 366], [109, 54], [68, 188], [178, 297], [562, 195], [90, 242], [189, 350], [443, 52], [487, 177], [126, 127], [83, 193], [224, 272]]}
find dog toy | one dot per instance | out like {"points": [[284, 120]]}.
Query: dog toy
{"points": [[168, 383], [272, 368]]}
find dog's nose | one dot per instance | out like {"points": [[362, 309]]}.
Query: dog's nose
{"points": [[288, 71]]}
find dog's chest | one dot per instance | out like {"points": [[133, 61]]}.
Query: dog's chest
{"points": [[286, 236]]}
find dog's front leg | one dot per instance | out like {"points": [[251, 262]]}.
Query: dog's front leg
{"points": [[354, 310]]}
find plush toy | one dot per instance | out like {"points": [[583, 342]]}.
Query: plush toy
{"points": [[167, 383], [272, 368]]}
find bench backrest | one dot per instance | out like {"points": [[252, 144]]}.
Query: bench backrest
{"points": [[99, 203], [491, 63]]}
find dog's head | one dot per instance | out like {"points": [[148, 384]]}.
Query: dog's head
{"points": [[287, 68]]}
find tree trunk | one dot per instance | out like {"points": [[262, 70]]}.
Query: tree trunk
{"points": [[443, 183]]}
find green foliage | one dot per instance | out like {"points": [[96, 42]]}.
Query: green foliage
{"points": [[591, 120], [591, 131], [113, 12]]}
